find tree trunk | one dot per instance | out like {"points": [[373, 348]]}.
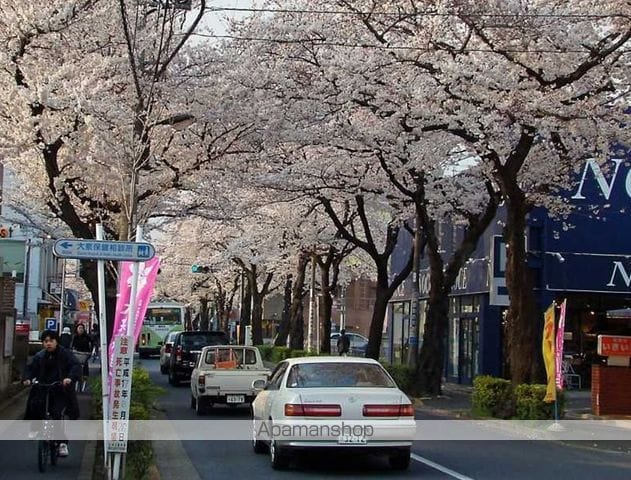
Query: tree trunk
{"points": [[257, 319], [428, 376], [296, 314], [283, 327], [383, 296], [88, 273], [325, 320], [523, 319], [204, 319]]}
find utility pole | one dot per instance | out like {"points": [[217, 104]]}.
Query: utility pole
{"points": [[413, 351], [27, 270], [312, 297]]}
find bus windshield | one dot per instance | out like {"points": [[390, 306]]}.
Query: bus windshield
{"points": [[163, 316]]}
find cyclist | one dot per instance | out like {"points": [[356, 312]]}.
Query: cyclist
{"points": [[82, 346], [53, 364]]}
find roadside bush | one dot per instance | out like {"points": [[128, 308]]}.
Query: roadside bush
{"points": [[529, 404], [280, 353], [266, 352], [492, 397], [144, 393], [403, 375]]}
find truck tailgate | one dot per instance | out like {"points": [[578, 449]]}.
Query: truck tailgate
{"points": [[233, 380]]}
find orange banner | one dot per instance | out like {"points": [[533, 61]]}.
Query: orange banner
{"points": [[548, 354]]}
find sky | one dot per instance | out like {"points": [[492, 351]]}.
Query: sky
{"points": [[216, 21]]}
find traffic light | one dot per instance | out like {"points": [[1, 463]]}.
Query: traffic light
{"points": [[200, 269]]}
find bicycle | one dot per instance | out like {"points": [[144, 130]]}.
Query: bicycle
{"points": [[83, 358], [47, 449]]}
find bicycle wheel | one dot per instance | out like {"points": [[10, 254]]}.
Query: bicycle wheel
{"points": [[53, 453], [42, 455]]}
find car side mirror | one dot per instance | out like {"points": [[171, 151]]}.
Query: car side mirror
{"points": [[259, 384]]}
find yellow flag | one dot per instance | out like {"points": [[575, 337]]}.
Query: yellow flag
{"points": [[548, 354]]}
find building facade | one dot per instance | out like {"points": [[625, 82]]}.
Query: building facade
{"points": [[584, 258]]}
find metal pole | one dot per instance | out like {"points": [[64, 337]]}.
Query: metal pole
{"points": [[237, 331], [105, 395], [131, 323], [413, 352], [62, 303], [27, 269], [310, 327]]}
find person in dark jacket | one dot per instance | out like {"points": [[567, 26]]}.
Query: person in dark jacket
{"points": [[66, 337], [343, 343], [95, 336], [82, 343], [53, 364]]}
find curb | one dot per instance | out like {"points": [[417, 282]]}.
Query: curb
{"points": [[86, 471], [171, 459], [533, 434], [15, 398]]}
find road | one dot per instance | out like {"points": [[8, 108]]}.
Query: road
{"points": [[462, 460]]}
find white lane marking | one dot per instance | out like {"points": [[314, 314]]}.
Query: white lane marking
{"points": [[439, 467]]}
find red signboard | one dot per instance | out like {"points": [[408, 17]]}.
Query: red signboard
{"points": [[614, 346], [22, 328]]}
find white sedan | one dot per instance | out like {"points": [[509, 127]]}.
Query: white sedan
{"points": [[332, 403]]}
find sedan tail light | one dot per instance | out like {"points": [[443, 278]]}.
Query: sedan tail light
{"points": [[202, 380], [300, 410], [168, 347], [388, 410]]}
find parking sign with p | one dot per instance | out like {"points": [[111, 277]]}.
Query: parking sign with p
{"points": [[51, 324]]}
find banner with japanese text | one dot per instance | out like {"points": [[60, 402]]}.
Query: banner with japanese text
{"points": [[147, 275], [548, 354]]}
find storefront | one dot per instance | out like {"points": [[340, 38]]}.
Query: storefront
{"points": [[584, 258]]}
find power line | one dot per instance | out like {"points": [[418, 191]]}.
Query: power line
{"points": [[316, 42], [419, 13]]}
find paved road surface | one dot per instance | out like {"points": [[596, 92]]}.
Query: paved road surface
{"points": [[525, 460]]}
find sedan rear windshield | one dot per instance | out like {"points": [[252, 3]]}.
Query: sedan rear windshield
{"points": [[198, 341], [331, 375]]}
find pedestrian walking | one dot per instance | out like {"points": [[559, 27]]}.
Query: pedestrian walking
{"points": [[82, 348], [343, 343], [95, 336], [66, 337]]}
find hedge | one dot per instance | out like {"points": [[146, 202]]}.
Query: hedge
{"points": [[496, 397], [529, 404], [403, 375], [492, 397], [143, 396]]}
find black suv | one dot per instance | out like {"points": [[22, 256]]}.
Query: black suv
{"points": [[186, 347]]}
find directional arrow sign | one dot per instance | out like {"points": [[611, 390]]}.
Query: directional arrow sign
{"points": [[103, 250]]}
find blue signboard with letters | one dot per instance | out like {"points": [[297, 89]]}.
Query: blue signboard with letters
{"points": [[103, 250]]}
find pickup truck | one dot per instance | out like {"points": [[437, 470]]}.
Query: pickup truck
{"points": [[225, 374]]}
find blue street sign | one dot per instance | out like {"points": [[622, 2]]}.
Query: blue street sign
{"points": [[51, 323], [103, 250]]}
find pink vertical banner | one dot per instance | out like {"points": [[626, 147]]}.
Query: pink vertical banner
{"points": [[558, 351], [147, 274]]}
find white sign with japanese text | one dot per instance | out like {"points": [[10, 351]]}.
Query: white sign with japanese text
{"points": [[120, 393]]}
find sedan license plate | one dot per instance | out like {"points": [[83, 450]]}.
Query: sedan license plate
{"points": [[235, 399], [351, 440]]}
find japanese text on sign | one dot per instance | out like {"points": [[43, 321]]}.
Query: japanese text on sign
{"points": [[614, 346], [120, 394]]}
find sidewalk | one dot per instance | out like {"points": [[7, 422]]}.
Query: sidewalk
{"points": [[455, 403], [79, 464]]}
